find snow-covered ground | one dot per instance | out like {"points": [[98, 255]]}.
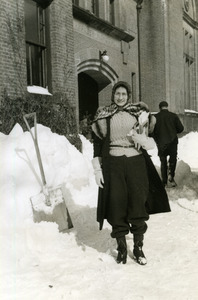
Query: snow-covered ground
{"points": [[40, 263]]}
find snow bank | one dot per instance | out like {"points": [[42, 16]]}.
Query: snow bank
{"points": [[38, 262]]}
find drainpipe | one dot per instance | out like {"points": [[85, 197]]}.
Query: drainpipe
{"points": [[139, 7]]}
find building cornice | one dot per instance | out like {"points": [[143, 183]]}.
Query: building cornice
{"points": [[100, 24]]}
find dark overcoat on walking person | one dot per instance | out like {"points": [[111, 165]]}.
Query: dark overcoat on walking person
{"points": [[167, 127]]}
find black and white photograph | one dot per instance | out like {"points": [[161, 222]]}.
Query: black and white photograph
{"points": [[99, 149]]}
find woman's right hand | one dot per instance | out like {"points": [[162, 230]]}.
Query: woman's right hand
{"points": [[99, 179], [96, 163]]}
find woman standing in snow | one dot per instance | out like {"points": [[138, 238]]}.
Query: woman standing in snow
{"points": [[124, 172]]}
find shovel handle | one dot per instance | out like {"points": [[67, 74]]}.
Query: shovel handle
{"points": [[35, 140], [27, 116]]}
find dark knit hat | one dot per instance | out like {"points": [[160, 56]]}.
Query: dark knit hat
{"points": [[163, 104], [121, 84]]}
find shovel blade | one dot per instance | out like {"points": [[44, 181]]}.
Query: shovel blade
{"points": [[55, 212]]}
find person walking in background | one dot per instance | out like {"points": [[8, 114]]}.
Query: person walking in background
{"points": [[124, 171], [167, 126]]}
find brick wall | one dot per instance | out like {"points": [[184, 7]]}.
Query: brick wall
{"points": [[175, 59], [62, 49], [88, 42], [13, 77], [161, 37], [12, 49], [162, 69], [152, 53]]}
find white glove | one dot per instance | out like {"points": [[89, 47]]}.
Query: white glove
{"points": [[96, 163], [141, 140], [143, 121], [143, 118]]}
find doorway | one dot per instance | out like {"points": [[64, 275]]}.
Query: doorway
{"points": [[88, 96]]}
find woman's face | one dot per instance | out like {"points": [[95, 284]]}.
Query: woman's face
{"points": [[120, 96]]}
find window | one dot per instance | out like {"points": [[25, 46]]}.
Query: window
{"points": [[95, 7], [36, 45], [189, 69], [76, 2], [112, 11], [133, 86]]}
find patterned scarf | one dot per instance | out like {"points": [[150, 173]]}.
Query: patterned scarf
{"points": [[131, 108]]}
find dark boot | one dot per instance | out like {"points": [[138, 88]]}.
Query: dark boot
{"points": [[138, 253], [164, 169], [171, 181], [172, 166], [122, 250]]}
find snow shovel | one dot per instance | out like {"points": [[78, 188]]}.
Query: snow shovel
{"points": [[49, 205]]}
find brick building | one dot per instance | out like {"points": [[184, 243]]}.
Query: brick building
{"points": [[58, 45]]}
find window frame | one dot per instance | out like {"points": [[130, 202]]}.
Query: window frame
{"points": [[112, 12], [37, 50], [95, 7], [189, 71]]}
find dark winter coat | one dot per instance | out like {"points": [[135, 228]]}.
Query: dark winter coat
{"points": [[167, 126], [157, 199]]}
